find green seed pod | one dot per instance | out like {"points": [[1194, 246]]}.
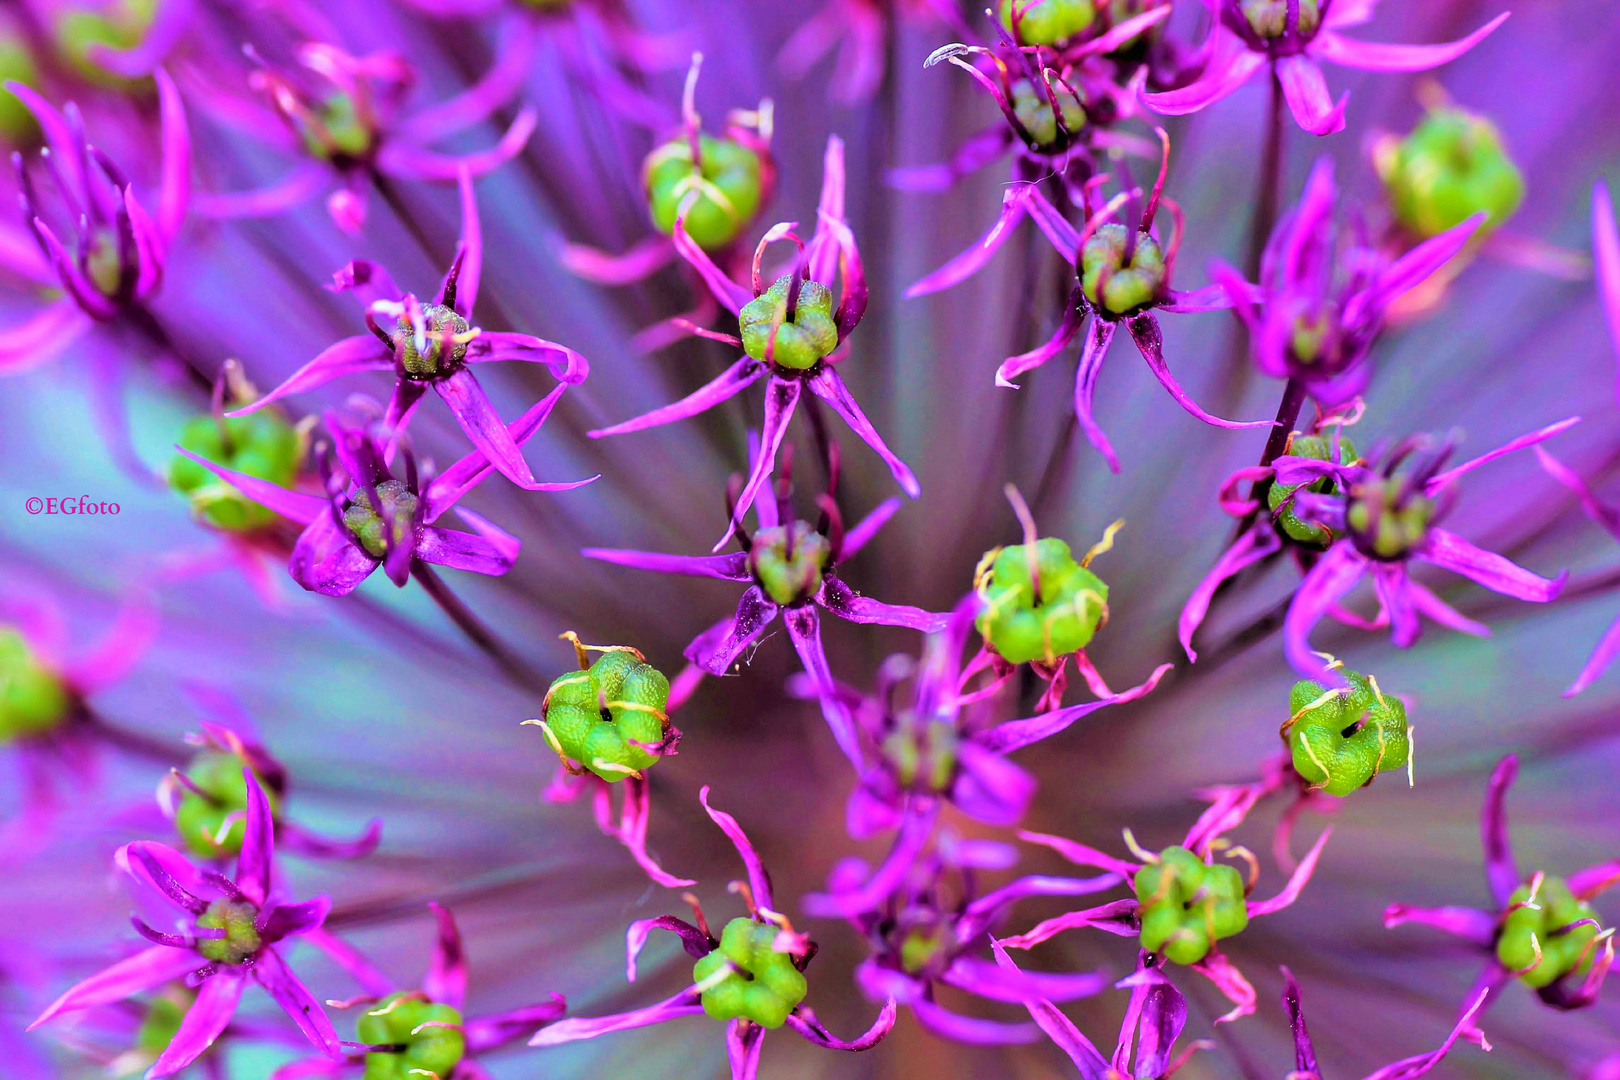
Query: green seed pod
{"points": [[402, 1021], [1318, 448], [201, 816], [925, 946], [119, 25], [922, 754], [336, 132], [368, 525], [241, 938], [1125, 288], [161, 1022], [1269, 18], [730, 181], [17, 124], [1385, 520], [1340, 742], [766, 986], [261, 444], [441, 357], [1033, 110], [1451, 167], [800, 342], [1046, 22], [33, 699], [1073, 602], [1563, 951], [596, 717], [1187, 905], [788, 561]]}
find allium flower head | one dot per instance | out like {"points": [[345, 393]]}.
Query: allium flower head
{"points": [[609, 716]]}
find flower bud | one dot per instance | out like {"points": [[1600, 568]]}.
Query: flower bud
{"points": [[1451, 167], [598, 716], [1339, 744], [1187, 905], [1269, 18], [370, 527], [788, 561], [1018, 624], [1117, 288], [1034, 111], [211, 816], [764, 988], [1564, 949], [447, 335], [1386, 518], [799, 342], [33, 699], [414, 1050], [1045, 22], [1318, 448], [261, 444], [241, 940], [729, 178]]}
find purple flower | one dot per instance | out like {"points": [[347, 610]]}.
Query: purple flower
{"points": [[743, 1035], [1513, 895], [1305, 1067], [790, 567], [445, 984], [228, 936], [1383, 519], [431, 345], [1324, 293], [342, 113], [1124, 275], [369, 519], [921, 942], [1292, 36], [1154, 1020], [790, 332]]}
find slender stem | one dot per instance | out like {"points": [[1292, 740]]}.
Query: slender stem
{"points": [[469, 624], [1269, 195]]}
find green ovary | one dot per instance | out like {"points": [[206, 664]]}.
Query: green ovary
{"points": [[764, 988], [799, 342], [1341, 743], [241, 939], [1318, 448], [1046, 22], [1451, 167], [33, 699], [1033, 110], [201, 819], [397, 1021], [922, 754], [369, 527], [1115, 287], [1072, 603], [730, 185], [1384, 521], [1562, 953], [788, 561], [261, 444], [441, 357], [598, 716], [1269, 18], [336, 132], [1187, 905]]}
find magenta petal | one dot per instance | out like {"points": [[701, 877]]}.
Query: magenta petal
{"points": [[743, 1044], [1478, 927], [758, 878], [715, 652], [573, 1029], [1593, 880], [369, 281], [861, 533], [1308, 98], [1447, 549], [43, 336], [974, 153], [1335, 574], [167, 871], [1060, 1029], [731, 382], [1230, 66], [844, 602], [1599, 511], [693, 940], [300, 841], [351, 960], [1528, 439], [632, 829], [1080, 854], [488, 1032], [514, 63], [804, 627], [916, 829], [346, 357], [134, 975], [401, 159], [327, 561], [1372, 56], [469, 264], [295, 189], [175, 188], [982, 912], [1296, 881], [1437, 609], [204, 1022], [1501, 871], [295, 505], [255, 865], [1230, 981], [1413, 1067], [277, 978], [113, 655], [491, 554], [287, 920], [443, 491], [1255, 544], [1150, 343], [1606, 256], [733, 567], [1017, 734], [1304, 1051], [1603, 655], [1413, 268], [644, 259], [827, 386], [446, 980], [1118, 918], [987, 980], [1014, 205], [1074, 316], [804, 1021], [1092, 354], [970, 1029], [1065, 238], [989, 788], [481, 423], [781, 399], [730, 294], [1390, 586]]}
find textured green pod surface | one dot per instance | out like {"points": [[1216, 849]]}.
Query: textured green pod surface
{"points": [[33, 699], [261, 444], [241, 940], [397, 1021], [1387, 518], [1072, 602], [1563, 952], [1187, 905], [800, 342], [597, 716], [1451, 167], [1125, 288], [200, 819], [1318, 448], [1269, 18], [1035, 112], [923, 753], [439, 358], [371, 528], [1046, 22], [764, 988], [730, 180], [789, 561], [1339, 743]]}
